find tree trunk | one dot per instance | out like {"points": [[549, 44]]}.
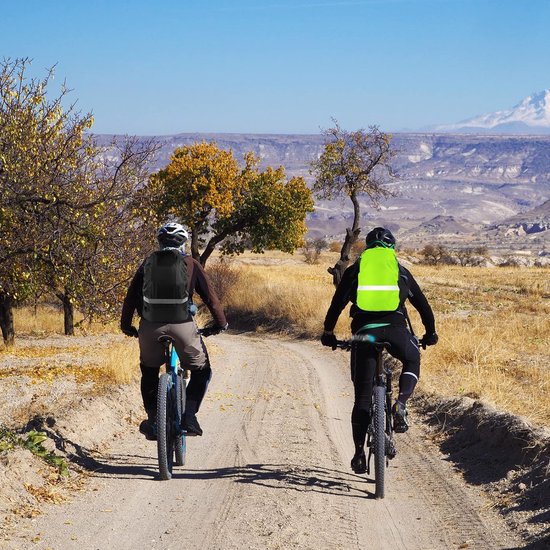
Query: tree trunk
{"points": [[351, 238], [195, 245], [68, 313], [211, 246], [68, 316], [6, 319]]}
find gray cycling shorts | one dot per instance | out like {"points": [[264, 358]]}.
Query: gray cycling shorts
{"points": [[187, 342]]}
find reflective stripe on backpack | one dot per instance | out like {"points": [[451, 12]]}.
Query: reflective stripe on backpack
{"points": [[164, 300], [377, 288]]}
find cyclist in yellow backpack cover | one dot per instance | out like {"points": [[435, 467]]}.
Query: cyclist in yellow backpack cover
{"points": [[378, 286]]}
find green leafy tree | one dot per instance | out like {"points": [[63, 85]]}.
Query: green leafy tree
{"points": [[223, 204], [353, 164]]}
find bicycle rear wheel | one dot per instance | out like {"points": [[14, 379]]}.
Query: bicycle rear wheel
{"points": [[165, 426], [180, 444], [379, 397]]}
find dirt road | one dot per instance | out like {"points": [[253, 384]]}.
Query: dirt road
{"points": [[271, 471]]}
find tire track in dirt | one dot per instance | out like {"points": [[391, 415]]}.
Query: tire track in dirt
{"points": [[271, 471]]}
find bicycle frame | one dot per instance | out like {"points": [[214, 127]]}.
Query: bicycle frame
{"points": [[171, 358]]}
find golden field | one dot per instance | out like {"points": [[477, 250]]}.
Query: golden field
{"points": [[493, 323]]}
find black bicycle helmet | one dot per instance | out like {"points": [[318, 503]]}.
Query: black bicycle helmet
{"points": [[380, 236], [172, 235]]}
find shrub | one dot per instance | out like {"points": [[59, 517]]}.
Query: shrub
{"points": [[436, 255], [510, 261], [224, 278], [312, 250]]}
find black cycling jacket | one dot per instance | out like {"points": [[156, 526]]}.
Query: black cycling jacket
{"points": [[408, 289]]}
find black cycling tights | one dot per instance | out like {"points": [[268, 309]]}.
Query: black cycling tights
{"points": [[363, 364], [195, 389]]}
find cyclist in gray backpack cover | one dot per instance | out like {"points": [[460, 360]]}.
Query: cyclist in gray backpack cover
{"points": [[161, 292]]}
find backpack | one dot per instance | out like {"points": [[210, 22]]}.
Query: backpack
{"points": [[165, 295], [378, 288]]}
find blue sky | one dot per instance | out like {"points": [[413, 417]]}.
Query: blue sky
{"points": [[283, 66]]}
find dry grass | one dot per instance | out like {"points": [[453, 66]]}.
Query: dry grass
{"points": [[494, 324], [47, 319], [290, 296], [42, 320], [120, 362], [114, 363]]}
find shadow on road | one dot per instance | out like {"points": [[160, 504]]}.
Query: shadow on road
{"points": [[273, 476], [287, 476]]}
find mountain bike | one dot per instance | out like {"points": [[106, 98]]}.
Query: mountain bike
{"points": [[380, 441], [171, 434]]}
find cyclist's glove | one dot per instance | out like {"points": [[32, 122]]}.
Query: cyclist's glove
{"points": [[130, 331], [329, 339], [213, 330], [429, 339]]}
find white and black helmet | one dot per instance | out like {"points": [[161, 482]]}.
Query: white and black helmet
{"points": [[380, 236], [173, 235]]}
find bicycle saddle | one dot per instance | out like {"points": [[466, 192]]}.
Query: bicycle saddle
{"points": [[381, 345], [370, 340], [164, 338]]}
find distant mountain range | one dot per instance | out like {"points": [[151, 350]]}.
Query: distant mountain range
{"points": [[449, 185], [529, 116]]}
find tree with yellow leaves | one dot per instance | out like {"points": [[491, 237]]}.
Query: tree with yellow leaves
{"points": [[100, 236], [61, 199], [226, 205]]}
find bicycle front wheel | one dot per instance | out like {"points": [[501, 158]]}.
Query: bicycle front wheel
{"points": [[165, 426], [379, 397], [180, 446]]}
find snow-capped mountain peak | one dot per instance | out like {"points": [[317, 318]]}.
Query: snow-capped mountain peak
{"points": [[530, 114]]}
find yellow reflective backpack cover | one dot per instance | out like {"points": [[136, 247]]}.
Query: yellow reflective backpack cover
{"points": [[378, 288]]}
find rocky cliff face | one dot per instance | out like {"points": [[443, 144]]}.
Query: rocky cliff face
{"points": [[477, 179], [532, 222]]}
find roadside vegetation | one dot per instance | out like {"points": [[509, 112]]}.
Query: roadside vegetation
{"points": [[493, 323], [77, 216]]}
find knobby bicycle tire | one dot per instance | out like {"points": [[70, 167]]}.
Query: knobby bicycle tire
{"points": [[165, 426], [180, 443], [379, 397]]}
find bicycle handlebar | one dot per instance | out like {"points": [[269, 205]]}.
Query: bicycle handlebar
{"points": [[346, 344]]}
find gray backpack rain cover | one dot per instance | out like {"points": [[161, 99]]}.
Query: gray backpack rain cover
{"points": [[165, 296]]}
